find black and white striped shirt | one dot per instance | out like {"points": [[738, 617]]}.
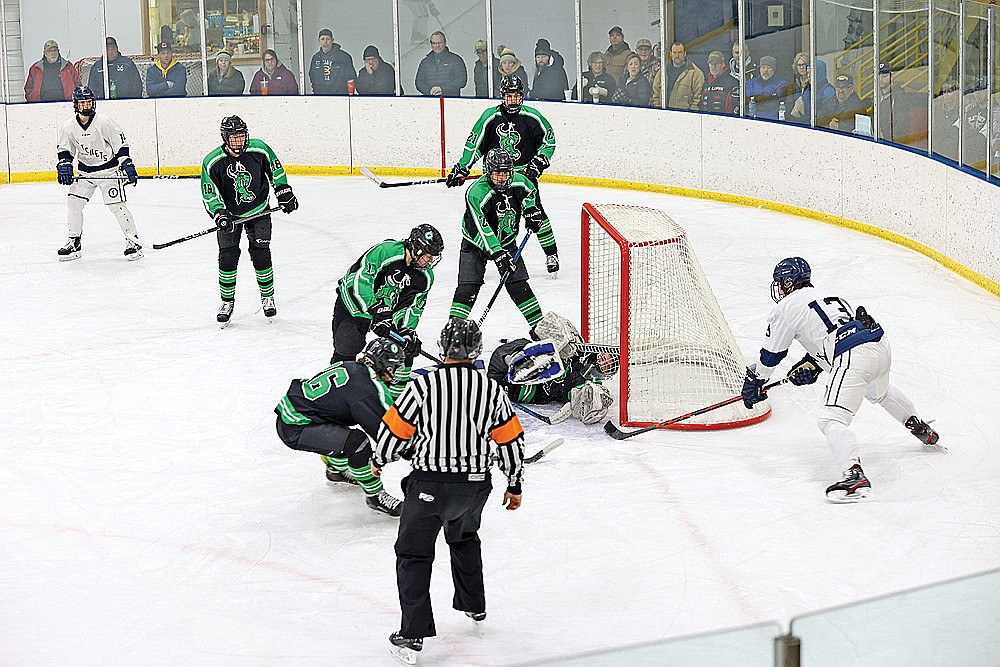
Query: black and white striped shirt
{"points": [[449, 417]]}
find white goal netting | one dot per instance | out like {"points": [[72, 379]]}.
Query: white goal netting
{"points": [[645, 292]]}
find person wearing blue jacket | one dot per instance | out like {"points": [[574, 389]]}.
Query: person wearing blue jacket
{"points": [[166, 77], [801, 94], [766, 90], [123, 76]]}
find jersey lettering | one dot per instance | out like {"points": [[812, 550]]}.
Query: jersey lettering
{"points": [[321, 384], [241, 182]]}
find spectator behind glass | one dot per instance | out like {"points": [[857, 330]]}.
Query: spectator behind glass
{"points": [[650, 65], [481, 70], [51, 78], [377, 77], [618, 53], [441, 72], [685, 81], [737, 68], [510, 66], [550, 81], [331, 67], [123, 75], [635, 90], [839, 112], [188, 31], [801, 104], [895, 109], [555, 59], [598, 85], [166, 77], [225, 79], [718, 95], [766, 89], [273, 78]]}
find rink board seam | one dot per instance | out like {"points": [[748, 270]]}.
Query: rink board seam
{"points": [[739, 200]]}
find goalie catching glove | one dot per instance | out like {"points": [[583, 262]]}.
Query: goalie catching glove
{"points": [[286, 198], [536, 166], [805, 371], [224, 221], [537, 363], [457, 176], [590, 402]]}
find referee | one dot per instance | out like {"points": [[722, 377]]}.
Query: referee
{"points": [[446, 420]]}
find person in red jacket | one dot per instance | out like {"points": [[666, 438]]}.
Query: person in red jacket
{"points": [[51, 78], [273, 78]]}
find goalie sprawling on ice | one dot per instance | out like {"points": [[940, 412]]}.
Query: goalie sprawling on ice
{"points": [[549, 367]]}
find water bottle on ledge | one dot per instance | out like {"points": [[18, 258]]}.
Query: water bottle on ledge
{"points": [[781, 110], [752, 108]]}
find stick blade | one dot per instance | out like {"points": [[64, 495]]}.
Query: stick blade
{"points": [[614, 431], [367, 173], [545, 450]]}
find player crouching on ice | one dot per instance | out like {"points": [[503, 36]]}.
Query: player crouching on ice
{"points": [[550, 368], [235, 184], [316, 415], [852, 347], [100, 149]]}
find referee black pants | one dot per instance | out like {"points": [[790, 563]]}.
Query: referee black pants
{"points": [[434, 501]]}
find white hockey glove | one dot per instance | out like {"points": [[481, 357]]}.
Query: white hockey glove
{"points": [[590, 402]]}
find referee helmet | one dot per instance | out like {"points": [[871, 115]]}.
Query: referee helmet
{"points": [[461, 339]]}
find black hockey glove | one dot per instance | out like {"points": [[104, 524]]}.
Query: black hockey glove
{"points": [[552, 263], [65, 171], [224, 221], [410, 342], [128, 168], [533, 218], [536, 166], [505, 262], [457, 176], [286, 198], [382, 327], [753, 392], [805, 371]]}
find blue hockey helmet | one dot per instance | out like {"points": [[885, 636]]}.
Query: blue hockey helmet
{"points": [[81, 93], [789, 275]]}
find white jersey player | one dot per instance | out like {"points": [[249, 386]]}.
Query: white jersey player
{"points": [[847, 343], [100, 149]]}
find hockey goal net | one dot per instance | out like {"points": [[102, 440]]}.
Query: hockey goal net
{"points": [[645, 294]]}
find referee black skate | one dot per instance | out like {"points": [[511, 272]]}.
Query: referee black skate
{"points": [[444, 421]]}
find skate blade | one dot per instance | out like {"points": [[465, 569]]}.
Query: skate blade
{"points": [[404, 655], [223, 325], [843, 498], [69, 257], [134, 256]]}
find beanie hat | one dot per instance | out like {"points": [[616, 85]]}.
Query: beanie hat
{"points": [[543, 45], [507, 54], [371, 51], [768, 60], [223, 53]]}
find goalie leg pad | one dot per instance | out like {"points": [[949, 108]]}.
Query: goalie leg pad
{"points": [[561, 331], [536, 363], [590, 402]]}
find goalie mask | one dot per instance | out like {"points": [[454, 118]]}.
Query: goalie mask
{"points": [[234, 126]]}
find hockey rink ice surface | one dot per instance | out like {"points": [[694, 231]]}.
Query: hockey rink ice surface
{"points": [[150, 515]]}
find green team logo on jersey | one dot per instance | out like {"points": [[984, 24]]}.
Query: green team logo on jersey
{"points": [[509, 139], [506, 217], [241, 182], [388, 295]]}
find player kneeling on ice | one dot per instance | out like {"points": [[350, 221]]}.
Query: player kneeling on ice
{"points": [[100, 149], [847, 343], [235, 183], [550, 368], [385, 292], [316, 415]]}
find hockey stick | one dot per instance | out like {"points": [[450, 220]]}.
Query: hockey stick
{"points": [[618, 434], [395, 335], [557, 417], [265, 212], [124, 178], [503, 279], [382, 184], [544, 451]]}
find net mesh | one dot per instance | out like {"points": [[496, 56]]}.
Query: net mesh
{"points": [[192, 63], [681, 354]]}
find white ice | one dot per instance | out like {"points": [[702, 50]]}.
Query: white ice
{"points": [[150, 515]]}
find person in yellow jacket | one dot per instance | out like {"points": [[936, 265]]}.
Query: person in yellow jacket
{"points": [[685, 82]]}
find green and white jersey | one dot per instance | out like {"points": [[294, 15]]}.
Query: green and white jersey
{"points": [[240, 184], [522, 135], [381, 286], [492, 217]]}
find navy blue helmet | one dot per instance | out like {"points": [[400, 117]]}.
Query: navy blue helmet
{"points": [[789, 275], [84, 93]]}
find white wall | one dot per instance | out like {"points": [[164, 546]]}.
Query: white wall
{"points": [[888, 188]]}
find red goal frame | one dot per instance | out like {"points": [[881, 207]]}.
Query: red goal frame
{"points": [[588, 213]]}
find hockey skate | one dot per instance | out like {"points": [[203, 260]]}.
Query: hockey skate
{"points": [[852, 488], [225, 313], [922, 431], [477, 616], [405, 650], [72, 250], [267, 303], [133, 250], [336, 477], [383, 502]]}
